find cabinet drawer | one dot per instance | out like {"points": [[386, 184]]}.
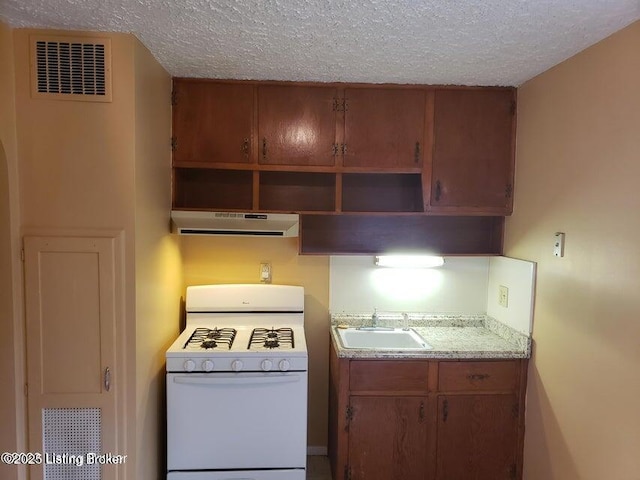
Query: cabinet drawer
{"points": [[477, 376], [388, 375]]}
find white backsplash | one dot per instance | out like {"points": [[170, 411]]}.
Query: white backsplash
{"points": [[519, 276], [463, 285], [459, 286]]}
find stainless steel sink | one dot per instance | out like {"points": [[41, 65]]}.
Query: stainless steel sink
{"points": [[382, 338]]}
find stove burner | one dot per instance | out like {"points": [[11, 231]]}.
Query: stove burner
{"points": [[211, 338], [271, 338]]}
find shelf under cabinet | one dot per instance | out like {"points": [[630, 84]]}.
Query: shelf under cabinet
{"points": [[382, 192], [213, 189], [373, 234], [297, 191]]}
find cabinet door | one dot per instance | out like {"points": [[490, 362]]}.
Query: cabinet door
{"points": [[72, 303], [473, 154], [297, 125], [212, 122], [384, 127], [477, 437], [388, 438]]}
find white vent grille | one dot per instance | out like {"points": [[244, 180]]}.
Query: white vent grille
{"points": [[72, 69], [69, 434]]}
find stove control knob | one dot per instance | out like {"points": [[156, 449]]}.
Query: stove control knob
{"points": [[236, 365], [284, 365], [207, 365], [189, 365], [266, 365]]}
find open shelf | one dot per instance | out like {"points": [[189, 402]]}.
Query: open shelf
{"points": [[213, 189], [297, 191], [381, 192]]}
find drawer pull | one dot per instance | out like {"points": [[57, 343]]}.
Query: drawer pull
{"points": [[478, 376]]}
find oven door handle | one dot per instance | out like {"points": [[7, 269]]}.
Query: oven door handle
{"points": [[236, 379]]}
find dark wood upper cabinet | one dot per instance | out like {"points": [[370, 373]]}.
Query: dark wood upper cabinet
{"points": [[370, 167], [384, 127], [473, 154], [296, 125], [212, 122]]}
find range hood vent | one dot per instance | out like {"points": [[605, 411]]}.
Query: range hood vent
{"points": [[234, 224]]}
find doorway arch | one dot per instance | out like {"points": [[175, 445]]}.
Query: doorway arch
{"points": [[8, 433]]}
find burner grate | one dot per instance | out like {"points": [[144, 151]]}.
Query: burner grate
{"points": [[265, 338], [208, 338]]}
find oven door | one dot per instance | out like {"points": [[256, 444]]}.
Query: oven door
{"points": [[227, 421]]}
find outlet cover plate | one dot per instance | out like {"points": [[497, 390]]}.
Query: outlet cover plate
{"points": [[503, 296]]}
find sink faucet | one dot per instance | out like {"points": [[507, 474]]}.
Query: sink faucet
{"points": [[405, 321], [374, 318]]}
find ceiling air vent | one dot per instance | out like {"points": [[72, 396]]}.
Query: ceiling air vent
{"points": [[66, 68]]}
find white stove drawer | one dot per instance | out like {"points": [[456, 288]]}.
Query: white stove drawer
{"points": [[228, 421], [243, 475]]}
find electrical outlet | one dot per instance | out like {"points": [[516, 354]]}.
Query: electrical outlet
{"points": [[265, 272], [503, 296]]}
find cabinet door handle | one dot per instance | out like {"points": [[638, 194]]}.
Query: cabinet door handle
{"points": [[438, 192], [478, 376], [107, 379], [264, 148], [445, 410], [245, 147], [508, 190], [421, 412], [417, 153]]}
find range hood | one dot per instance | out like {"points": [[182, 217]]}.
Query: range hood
{"points": [[234, 223]]}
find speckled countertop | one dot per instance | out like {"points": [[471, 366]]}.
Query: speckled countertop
{"points": [[451, 336]]}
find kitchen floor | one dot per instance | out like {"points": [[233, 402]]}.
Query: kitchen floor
{"points": [[318, 468]]}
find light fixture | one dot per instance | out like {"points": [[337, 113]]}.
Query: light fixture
{"points": [[409, 261]]}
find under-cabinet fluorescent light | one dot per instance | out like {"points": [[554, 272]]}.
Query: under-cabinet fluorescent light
{"points": [[409, 261]]}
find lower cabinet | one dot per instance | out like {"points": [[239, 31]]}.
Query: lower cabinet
{"points": [[387, 438], [426, 419], [477, 437]]}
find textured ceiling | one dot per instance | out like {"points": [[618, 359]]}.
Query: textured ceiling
{"points": [[470, 42]]}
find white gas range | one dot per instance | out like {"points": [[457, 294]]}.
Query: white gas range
{"points": [[237, 385]]}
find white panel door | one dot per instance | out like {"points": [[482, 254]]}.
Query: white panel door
{"points": [[71, 307]]}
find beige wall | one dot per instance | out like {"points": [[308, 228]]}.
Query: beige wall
{"points": [[577, 171], [90, 167], [11, 417], [76, 158], [158, 263], [237, 260], [76, 168]]}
